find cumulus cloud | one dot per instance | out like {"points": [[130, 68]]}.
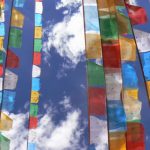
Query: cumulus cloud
{"points": [[67, 36], [64, 135]]}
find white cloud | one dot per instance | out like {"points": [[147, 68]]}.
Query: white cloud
{"points": [[67, 36], [67, 3], [64, 135], [66, 103]]}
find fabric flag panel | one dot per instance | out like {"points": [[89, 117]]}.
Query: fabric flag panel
{"points": [[111, 54], [129, 76], [91, 18], [93, 46], [98, 128], [95, 74], [4, 142], [97, 104], [17, 19], [117, 141], [15, 39], [5, 122], [12, 60], [128, 49], [116, 116], [135, 136], [137, 14]]}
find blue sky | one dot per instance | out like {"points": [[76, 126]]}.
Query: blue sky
{"points": [[63, 102]]}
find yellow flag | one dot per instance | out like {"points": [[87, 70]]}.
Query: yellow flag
{"points": [[130, 94], [38, 32], [1, 43], [17, 18], [148, 88], [117, 141], [35, 97], [128, 49], [93, 46], [5, 122]]}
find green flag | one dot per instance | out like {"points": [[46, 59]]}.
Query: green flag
{"points": [[109, 30], [37, 45], [15, 38], [4, 143], [33, 110], [95, 74]]}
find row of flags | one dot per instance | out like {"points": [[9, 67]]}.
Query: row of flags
{"points": [[113, 88], [36, 72], [10, 61]]}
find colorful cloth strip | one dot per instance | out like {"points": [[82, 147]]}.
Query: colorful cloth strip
{"points": [[36, 72]]}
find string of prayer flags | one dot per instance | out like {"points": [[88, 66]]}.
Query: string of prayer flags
{"points": [[138, 16], [97, 109], [11, 62], [36, 73]]}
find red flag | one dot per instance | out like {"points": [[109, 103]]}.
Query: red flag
{"points": [[135, 136], [1, 70], [111, 55], [33, 123], [37, 58], [12, 60], [137, 14], [97, 101]]}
